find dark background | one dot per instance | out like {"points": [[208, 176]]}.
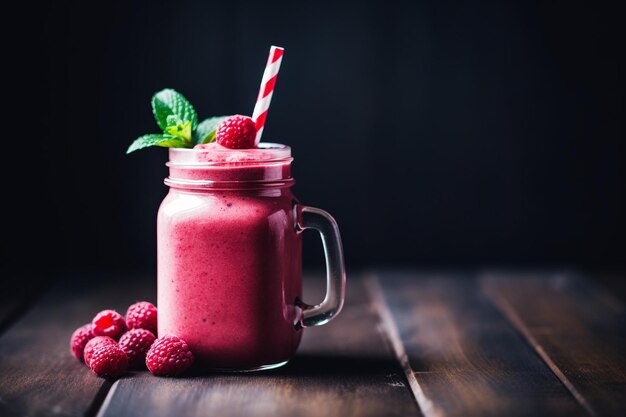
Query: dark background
{"points": [[444, 133]]}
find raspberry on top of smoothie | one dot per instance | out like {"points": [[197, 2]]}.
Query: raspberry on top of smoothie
{"points": [[236, 132]]}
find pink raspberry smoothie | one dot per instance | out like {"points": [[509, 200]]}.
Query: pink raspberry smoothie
{"points": [[229, 256]]}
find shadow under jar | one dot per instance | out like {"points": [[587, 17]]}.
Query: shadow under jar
{"points": [[229, 252]]}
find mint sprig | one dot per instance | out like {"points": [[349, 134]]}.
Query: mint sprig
{"points": [[169, 102], [179, 121]]}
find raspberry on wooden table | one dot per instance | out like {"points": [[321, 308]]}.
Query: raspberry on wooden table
{"points": [[79, 339], [109, 361], [136, 343], [95, 344], [108, 323], [169, 355], [142, 315], [236, 132]]}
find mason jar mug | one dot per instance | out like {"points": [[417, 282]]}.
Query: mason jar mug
{"points": [[229, 252]]}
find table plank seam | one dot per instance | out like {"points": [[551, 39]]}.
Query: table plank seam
{"points": [[391, 333], [509, 313], [99, 405]]}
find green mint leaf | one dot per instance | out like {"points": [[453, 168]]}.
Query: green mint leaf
{"points": [[205, 133], [157, 139], [172, 120], [182, 130], [170, 102]]}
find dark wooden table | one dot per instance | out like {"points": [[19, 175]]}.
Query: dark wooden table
{"points": [[496, 343]]}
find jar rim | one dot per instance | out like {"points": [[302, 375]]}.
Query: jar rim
{"points": [[213, 166], [217, 155]]}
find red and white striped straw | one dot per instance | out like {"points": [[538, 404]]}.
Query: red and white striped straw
{"points": [[267, 89]]}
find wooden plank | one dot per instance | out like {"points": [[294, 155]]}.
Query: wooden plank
{"points": [[461, 355], [576, 327], [40, 377], [341, 369]]}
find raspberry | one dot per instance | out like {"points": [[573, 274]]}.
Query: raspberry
{"points": [[95, 344], [169, 355], [108, 323], [236, 132], [109, 360], [136, 343], [142, 315], [79, 339]]}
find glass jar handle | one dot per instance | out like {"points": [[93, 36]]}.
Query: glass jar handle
{"points": [[317, 219]]}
